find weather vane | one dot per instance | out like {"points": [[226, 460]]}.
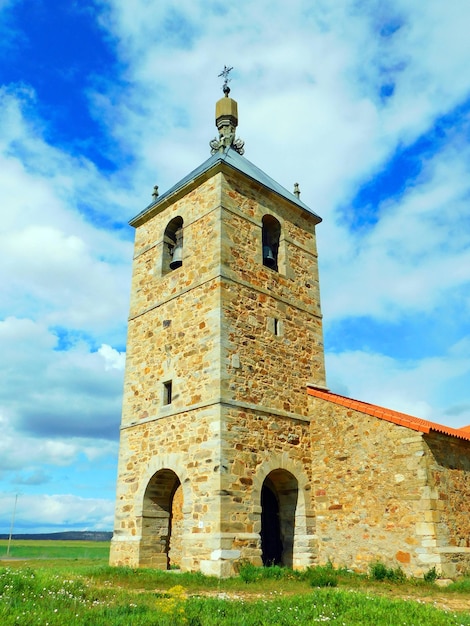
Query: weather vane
{"points": [[225, 72]]}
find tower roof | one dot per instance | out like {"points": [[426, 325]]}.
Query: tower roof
{"points": [[230, 158], [227, 152]]}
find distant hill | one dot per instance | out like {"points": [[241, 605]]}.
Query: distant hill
{"points": [[71, 535]]}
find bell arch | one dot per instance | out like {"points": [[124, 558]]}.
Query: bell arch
{"points": [[162, 521], [271, 235], [172, 253]]}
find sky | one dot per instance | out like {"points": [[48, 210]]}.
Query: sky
{"points": [[364, 103]]}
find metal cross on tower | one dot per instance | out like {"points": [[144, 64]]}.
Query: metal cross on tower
{"points": [[224, 73]]}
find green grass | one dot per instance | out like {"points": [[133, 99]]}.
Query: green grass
{"points": [[462, 585], [378, 571], [36, 549], [86, 592], [38, 596]]}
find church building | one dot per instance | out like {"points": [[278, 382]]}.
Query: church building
{"points": [[232, 448]]}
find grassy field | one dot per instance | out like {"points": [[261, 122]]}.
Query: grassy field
{"points": [[37, 549], [83, 590]]}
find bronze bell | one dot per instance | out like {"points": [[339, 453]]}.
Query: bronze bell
{"points": [[268, 256], [177, 251]]}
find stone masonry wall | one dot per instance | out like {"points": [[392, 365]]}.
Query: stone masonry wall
{"points": [[178, 343], [449, 508], [201, 236], [254, 444], [261, 368], [244, 206], [188, 443], [239, 342], [371, 489], [272, 332], [173, 335]]}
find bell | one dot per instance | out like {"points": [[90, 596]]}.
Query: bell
{"points": [[177, 252], [177, 256], [268, 257]]}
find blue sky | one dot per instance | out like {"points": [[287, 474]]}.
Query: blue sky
{"points": [[367, 107]]}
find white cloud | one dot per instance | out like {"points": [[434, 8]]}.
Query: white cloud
{"points": [[308, 79], [55, 393], [428, 388], [40, 513], [416, 254], [71, 285], [28, 453], [56, 263], [113, 358]]}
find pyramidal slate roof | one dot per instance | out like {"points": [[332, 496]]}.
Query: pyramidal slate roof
{"points": [[231, 158]]}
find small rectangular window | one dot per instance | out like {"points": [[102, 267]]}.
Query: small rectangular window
{"points": [[167, 392]]}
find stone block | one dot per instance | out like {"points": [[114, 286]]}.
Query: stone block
{"points": [[425, 528], [221, 569], [225, 555]]}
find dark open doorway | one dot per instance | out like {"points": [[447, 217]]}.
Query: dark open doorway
{"points": [[271, 544], [279, 496]]}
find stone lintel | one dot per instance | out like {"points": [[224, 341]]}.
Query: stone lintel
{"points": [[453, 550]]}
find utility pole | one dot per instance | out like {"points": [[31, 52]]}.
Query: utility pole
{"points": [[12, 524]]}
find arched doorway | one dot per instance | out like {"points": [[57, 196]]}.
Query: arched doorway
{"points": [[279, 495], [162, 521]]}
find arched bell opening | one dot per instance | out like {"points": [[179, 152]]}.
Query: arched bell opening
{"points": [[162, 521], [172, 255], [279, 497], [271, 234]]}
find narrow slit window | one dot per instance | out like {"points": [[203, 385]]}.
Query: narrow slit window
{"points": [[167, 392], [276, 326]]}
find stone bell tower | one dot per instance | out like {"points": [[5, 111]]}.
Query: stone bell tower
{"points": [[224, 335]]}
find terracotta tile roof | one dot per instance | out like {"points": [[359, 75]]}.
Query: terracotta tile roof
{"points": [[402, 419]]}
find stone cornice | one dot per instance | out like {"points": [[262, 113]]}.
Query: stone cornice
{"points": [[220, 402]]}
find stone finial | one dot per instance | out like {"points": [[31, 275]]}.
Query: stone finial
{"points": [[226, 120], [155, 192], [296, 190]]}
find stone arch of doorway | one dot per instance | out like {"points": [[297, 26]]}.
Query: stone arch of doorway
{"points": [[286, 519], [164, 498]]}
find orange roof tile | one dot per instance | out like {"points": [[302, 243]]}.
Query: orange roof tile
{"points": [[402, 419]]}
